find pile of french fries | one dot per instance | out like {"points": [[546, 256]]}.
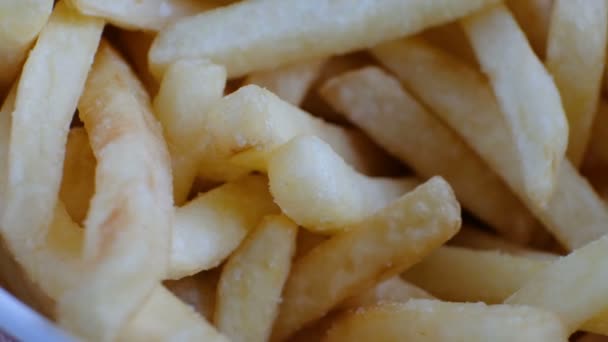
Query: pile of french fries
{"points": [[286, 170]]}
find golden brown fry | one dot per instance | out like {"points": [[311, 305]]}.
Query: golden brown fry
{"points": [[210, 227], [319, 191], [528, 98], [249, 291], [290, 82], [435, 321], [576, 54], [21, 21], [451, 38], [300, 30], [149, 15], [128, 226], [78, 181], [375, 101], [377, 248], [457, 93]]}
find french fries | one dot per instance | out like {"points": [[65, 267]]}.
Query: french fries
{"points": [[429, 320], [300, 30], [249, 291], [188, 89], [21, 21], [260, 195], [247, 125], [318, 190], [456, 93], [211, 227], [576, 53], [528, 98], [130, 215], [378, 247], [376, 103]]}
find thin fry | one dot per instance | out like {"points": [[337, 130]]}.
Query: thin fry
{"points": [[301, 30], [528, 98], [377, 248], [319, 191]]}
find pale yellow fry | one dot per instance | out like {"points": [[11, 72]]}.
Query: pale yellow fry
{"points": [[436, 321], [534, 17], [462, 98], [247, 125], [391, 290], [576, 54], [259, 35], [475, 238], [78, 181], [163, 317], [128, 226], [375, 102], [319, 191], [135, 46], [527, 96], [290, 82], [579, 280], [44, 106], [249, 291], [597, 153], [377, 248], [21, 21], [466, 275], [212, 226], [187, 91], [149, 15]]}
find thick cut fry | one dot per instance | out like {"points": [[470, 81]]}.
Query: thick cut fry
{"points": [[318, 190], [78, 181], [300, 30], [249, 291], [376, 103], [21, 21], [128, 226], [377, 248], [578, 280], [212, 226], [247, 125], [465, 275], [533, 16], [42, 114], [528, 98], [290, 82], [436, 321], [150, 15], [135, 45], [187, 91], [474, 238], [576, 54], [391, 290], [463, 99]]}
